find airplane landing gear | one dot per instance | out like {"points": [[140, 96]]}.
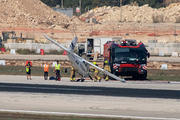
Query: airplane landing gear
{"points": [[82, 80]]}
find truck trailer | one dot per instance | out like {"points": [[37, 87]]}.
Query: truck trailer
{"points": [[127, 58], [96, 45]]}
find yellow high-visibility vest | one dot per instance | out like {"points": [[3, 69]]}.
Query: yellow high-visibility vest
{"points": [[27, 69], [57, 67]]}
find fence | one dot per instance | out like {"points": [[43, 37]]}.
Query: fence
{"points": [[163, 33]]}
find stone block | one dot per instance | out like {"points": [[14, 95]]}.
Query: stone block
{"points": [[38, 51], [152, 41], [175, 54], [164, 67], [87, 20], [2, 62], [161, 53], [11, 40], [13, 51], [29, 41], [93, 20]]}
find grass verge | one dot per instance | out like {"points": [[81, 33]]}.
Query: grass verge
{"points": [[153, 74], [19, 116]]}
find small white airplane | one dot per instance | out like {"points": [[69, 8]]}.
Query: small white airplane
{"points": [[79, 64]]}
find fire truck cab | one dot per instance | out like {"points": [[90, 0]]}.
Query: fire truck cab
{"points": [[127, 58]]}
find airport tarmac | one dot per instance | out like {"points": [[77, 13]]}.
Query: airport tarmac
{"points": [[147, 84], [91, 105]]}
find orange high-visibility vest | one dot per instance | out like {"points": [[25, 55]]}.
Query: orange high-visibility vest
{"points": [[46, 68]]}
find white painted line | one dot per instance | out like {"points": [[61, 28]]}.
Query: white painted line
{"points": [[50, 88], [89, 115]]}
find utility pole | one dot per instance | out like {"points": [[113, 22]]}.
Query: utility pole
{"points": [[80, 7], [120, 11], [61, 3]]}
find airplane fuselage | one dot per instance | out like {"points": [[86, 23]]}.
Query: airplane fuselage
{"points": [[79, 65]]}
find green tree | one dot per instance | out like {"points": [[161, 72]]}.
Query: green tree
{"points": [[94, 3]]}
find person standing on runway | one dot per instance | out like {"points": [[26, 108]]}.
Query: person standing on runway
{"points": [[46, 70], [57, 69], [28, 70]]}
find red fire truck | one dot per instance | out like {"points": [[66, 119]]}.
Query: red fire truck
{"points": [[127, 58]]}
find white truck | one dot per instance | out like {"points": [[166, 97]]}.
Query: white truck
{"points": [[96, 45]]}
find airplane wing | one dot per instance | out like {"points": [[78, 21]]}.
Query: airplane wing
{"points": [[104, 71], [56, 43], [89, 63]]}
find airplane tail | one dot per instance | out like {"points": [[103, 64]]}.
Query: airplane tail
{"points": [[73, 44]]}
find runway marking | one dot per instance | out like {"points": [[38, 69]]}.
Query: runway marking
{"points": [[89, 115], [51, 88]]}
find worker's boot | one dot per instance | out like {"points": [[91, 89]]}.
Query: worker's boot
{"points": [[107, 79], [99, 79]]}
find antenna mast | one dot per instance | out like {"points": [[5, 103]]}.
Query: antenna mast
{"points": [[61, 3]]}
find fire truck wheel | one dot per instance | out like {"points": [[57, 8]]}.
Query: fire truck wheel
{"points": [[143, 76], [135, 77], [140, 77]]}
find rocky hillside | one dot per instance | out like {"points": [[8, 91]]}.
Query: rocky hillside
{"points": [[34, 13], [143, 14], [29, 13]]}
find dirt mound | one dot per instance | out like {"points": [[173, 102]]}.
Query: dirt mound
{"points": [[142, 14], [29, 13]]}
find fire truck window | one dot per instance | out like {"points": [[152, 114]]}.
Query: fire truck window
{"points": [[129, 54], [122, 50]]}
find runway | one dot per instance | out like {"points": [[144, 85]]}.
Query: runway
{"points": [[134, 99], [80, 90]]}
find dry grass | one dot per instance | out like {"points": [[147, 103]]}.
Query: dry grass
{"points": [[25, 51], [153, 74], [19, 116]]}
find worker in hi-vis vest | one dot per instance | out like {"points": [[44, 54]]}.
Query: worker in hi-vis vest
{"points": [[57, 69], [72, 77], [46, 70], [107, 68], [95, 70], [28, 70]]}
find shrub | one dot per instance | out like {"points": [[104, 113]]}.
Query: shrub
{"points": [[76, 50], [56, 52], [134, 4], [2, 46], [33, 51], [25, 51]]}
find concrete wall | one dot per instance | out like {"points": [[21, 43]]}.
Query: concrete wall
{"points": [[166, 48], [34, 46], [153, 48], [65, 11]]}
